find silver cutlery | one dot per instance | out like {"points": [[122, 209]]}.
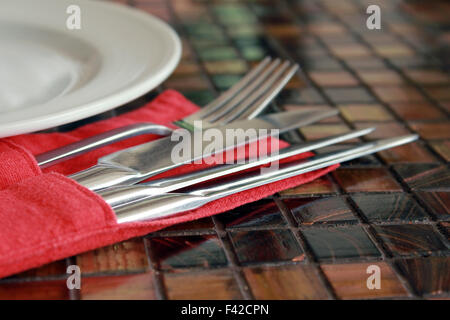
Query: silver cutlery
{"points": [[165, 205], [132, 165], [239, 102], [120, 195]]}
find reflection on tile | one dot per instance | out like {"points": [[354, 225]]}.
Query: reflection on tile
{"points": [[389, 207], [285, 283], [349, 95], [424, 176], [442, 148], [309, 211], [51, 269], [124, 256], [365, 112], [340, 243], [410, 239], [382, 77], [263, 213], [333, 79], [187, 252], [39, 290], [266, 246], [323, 185], [204, 285], [349, 281], [432, 130], [413, 111], [437, 202], [412, 152], [124, 287], [398, 94], [366, 180], [427, 276]]}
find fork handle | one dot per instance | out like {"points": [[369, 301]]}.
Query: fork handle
{"points": [[69, 151]]}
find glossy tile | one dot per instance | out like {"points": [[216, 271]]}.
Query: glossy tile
{"points": [[427, 276], [413, 111], [366, 180], [122, 287], [437, 202], [266, 246], [261, 214], [389, 207], [333, 79], [181, 252], [417, 239], [340, 243], [350, 281], [424, 176], [365, 113], [204, 285], [124, 256], [310, 211], [432, 130], [298, 282], [349, 95]]}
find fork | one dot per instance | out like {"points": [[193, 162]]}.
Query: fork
{"points": [[239, 102], [168, 204]]}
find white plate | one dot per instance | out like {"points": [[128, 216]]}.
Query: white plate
{"points": [[51, 75]]}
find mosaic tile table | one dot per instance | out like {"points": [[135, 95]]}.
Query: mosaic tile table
{"points": [[315, 241]]}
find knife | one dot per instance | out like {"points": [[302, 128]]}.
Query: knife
{"points": [[132, 165]]}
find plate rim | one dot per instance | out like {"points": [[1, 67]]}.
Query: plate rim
{"points": [[113, 100]]}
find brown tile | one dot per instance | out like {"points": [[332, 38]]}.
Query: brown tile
{"points": [[203, 224], [350, 51], [427, 77], [398, 94], [440, 92], [51, 269], [413, 111], [349, 95], [326, 28], [365, 63], [349, 281], [383, 130], [429, 275], [322, 185], [285, 283], [205, 285], [226, 66], [35, 290], [124, 287], [389, 207], [283, 30], [365, 112], [125, 256], [432, 130], [411, 152], [186, 68], [333, 79], [309, 211], [366, 180], [442, 148], [317, 131], [432, 177], [180, 252], [195, 82], [381, 77], [437, 202], [393, 50], [266, 246], [420, 239], [349, 242]]}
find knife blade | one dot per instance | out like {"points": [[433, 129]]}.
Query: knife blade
{"points": [[140, 162]]}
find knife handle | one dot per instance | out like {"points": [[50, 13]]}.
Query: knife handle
{"points": [[102, 176]]}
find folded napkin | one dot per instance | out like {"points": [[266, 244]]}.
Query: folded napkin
{"points": [[46, 216]]}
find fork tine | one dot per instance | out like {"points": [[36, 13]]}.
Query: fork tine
{"points": [[231, 92], [250, 108], [236, 101]]}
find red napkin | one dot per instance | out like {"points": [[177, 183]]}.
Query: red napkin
{"points": [[46, 216]]}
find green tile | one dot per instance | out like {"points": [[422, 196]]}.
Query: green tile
{"points": [[224, 81], [200, 97], [217, 53]]}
